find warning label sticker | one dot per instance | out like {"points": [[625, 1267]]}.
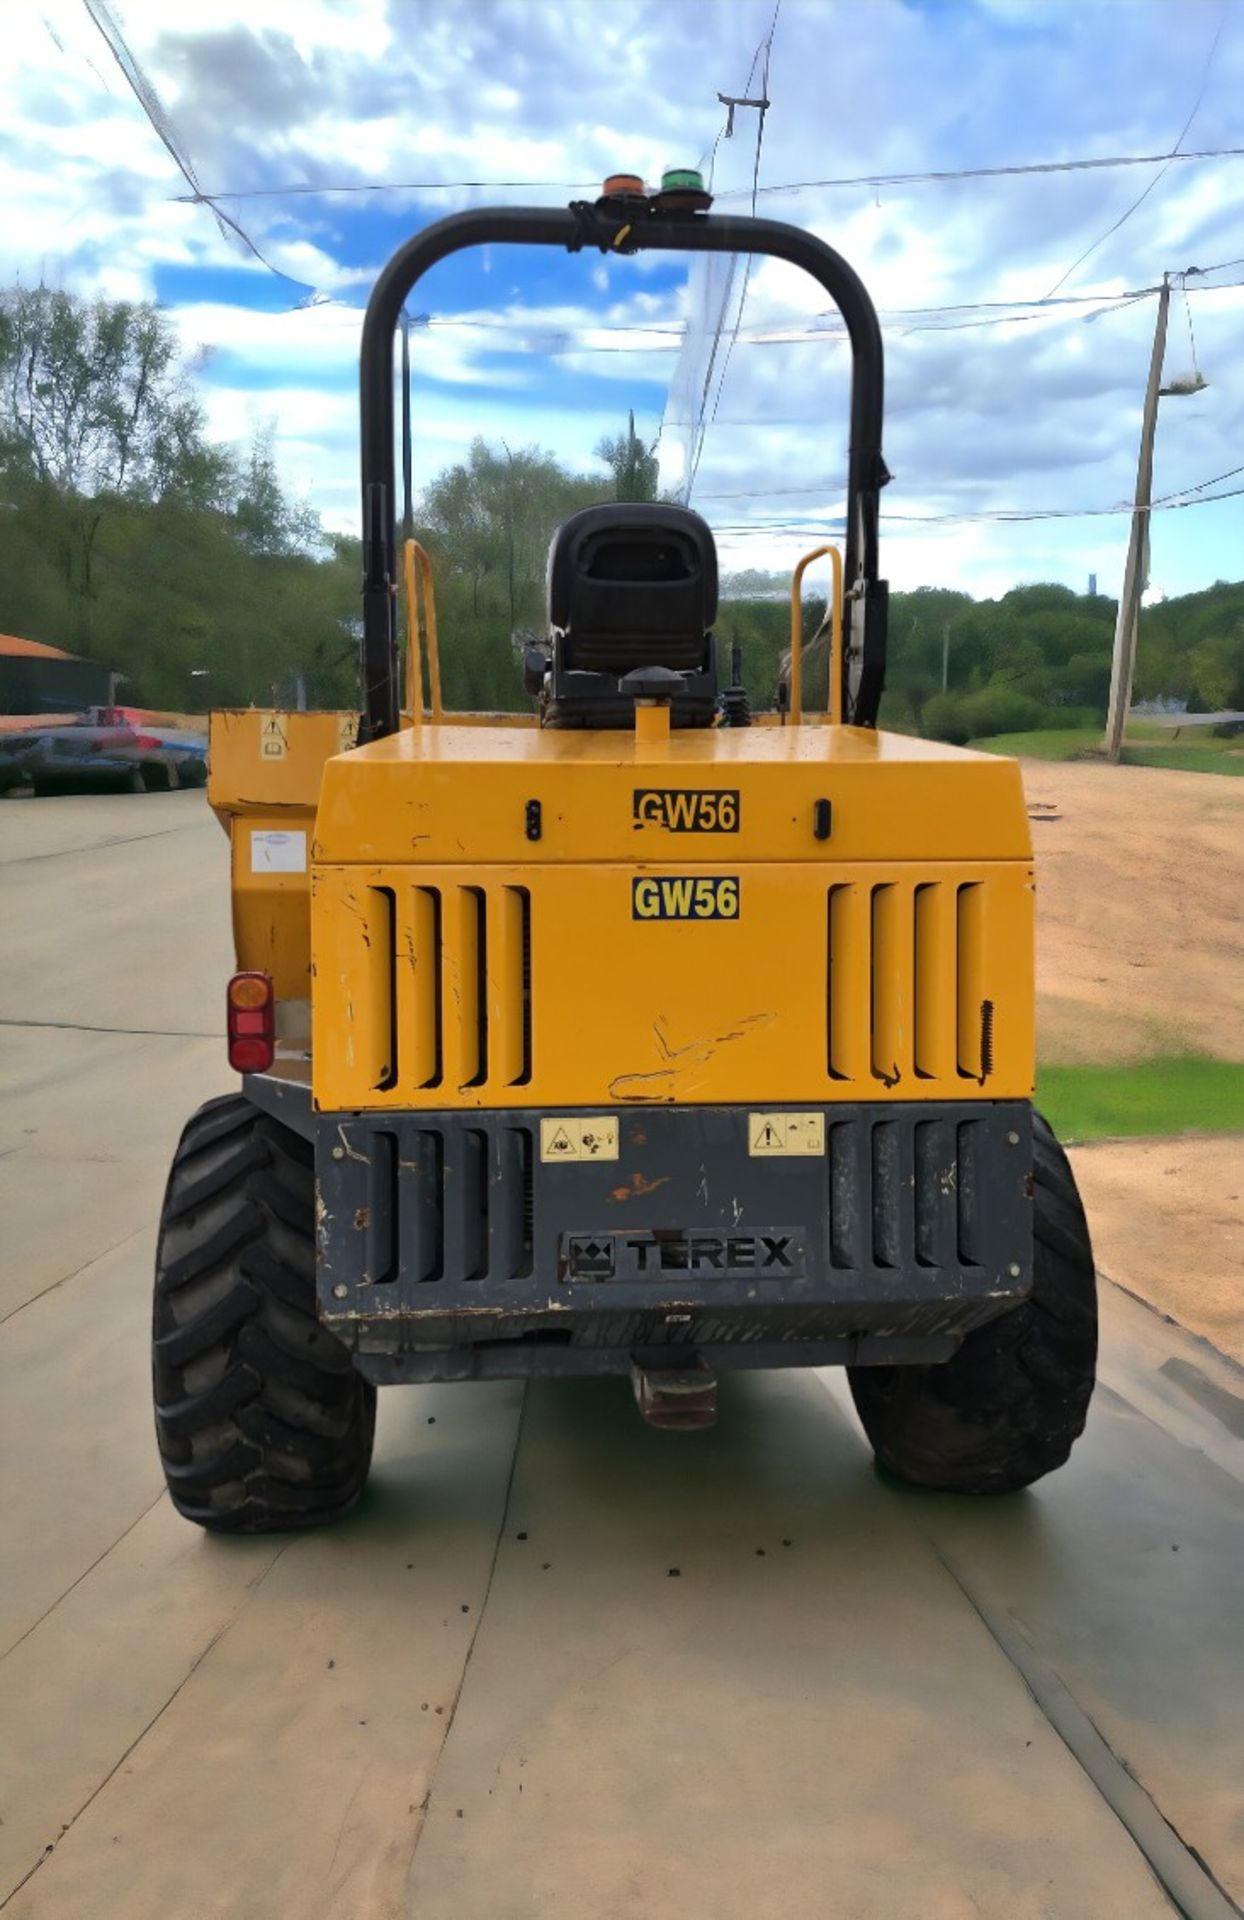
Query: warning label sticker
{"points": [[273, 852], [785, 1135], [592, 1138], [347, 732], [273, 737]]}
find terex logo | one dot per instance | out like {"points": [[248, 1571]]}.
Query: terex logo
{"points": [[711, 1252], [632, 1256]]}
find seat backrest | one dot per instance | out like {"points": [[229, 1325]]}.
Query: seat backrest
{"points": [[632, 585]]}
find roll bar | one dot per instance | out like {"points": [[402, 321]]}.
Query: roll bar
{"points": [[615, 226]]}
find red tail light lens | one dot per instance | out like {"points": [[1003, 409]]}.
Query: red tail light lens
{"points": [[250, 1022]]}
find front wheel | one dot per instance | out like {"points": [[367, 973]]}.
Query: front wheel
{"points": [[1010, 1404], [262, 1421]]}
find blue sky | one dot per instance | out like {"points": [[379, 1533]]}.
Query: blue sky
{"points": [[551, 350]]}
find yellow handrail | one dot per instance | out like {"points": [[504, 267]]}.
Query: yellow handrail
{"points": [[796, 636], [413, 552]]}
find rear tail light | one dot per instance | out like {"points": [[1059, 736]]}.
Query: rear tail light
{"points": [[250, 1022]]}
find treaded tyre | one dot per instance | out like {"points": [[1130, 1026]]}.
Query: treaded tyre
{"points": [[1012, 1401], [262, 1421]]}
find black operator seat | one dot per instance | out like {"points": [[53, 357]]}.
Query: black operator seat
{"points": [[630, 585]]}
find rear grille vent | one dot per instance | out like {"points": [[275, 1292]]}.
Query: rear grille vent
{"points": [[901, 1196], [459, 986], [903, 990], [450, 1207]]}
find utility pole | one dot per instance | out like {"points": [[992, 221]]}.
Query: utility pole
{"points": [[1127, 626]]}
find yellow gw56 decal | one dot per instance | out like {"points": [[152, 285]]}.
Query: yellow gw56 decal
{"points": [[688, 809], [684, 897]]}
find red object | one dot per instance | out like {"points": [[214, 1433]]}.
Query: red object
{"points": [[121, 734], [250, 1025]]}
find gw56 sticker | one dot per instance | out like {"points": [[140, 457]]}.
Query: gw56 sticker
{"points": [[687, 809], [684, 897]]}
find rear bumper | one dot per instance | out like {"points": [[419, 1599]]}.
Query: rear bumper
{"points": [[449, 1248]]}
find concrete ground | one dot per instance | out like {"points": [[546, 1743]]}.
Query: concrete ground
{"points": [[556, 1665]]}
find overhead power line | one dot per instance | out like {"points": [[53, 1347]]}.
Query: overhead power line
{"points": [[1220, 268], [1004, 516], [747, 265], [293, 189], [1007, 515], [1170, 159], [837, 486], [1179, 492], [664, 337], [1085, 164], [149, 100], [729, 264]]}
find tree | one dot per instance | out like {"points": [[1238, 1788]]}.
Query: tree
{"points": [[125, 533], [92, 394], [95, 409], [268, 521], [1217, 666], [492, 518], [633, 465]]}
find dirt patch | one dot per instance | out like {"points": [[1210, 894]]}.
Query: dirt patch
{"points": [[1167, 1218], [1140, 912]]}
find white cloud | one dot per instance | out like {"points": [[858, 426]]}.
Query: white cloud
{"points": [[264, 92]]}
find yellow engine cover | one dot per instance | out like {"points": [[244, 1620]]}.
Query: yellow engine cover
{"points": [[509, 917]]}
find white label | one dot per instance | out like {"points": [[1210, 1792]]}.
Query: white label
{"points": [[278, 852], [785, 1135], [591, 1139]]}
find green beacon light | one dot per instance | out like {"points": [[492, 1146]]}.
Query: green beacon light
{"points": [[683, 191]]}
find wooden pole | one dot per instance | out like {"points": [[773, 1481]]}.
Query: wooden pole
{"points": [[1127, 626]]}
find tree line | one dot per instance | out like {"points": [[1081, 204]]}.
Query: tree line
{"points": [[129, 536]]}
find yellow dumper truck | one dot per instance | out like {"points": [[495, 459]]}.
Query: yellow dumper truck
{"points": [[635, 1034]]}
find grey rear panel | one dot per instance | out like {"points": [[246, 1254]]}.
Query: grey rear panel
{"points": [[449, 1247]]}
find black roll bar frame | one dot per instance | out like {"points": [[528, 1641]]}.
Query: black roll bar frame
{"points": [[618, 227]]}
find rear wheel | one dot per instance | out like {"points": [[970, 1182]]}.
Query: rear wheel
{"points": [[1013, 1400], [262, 1421]]}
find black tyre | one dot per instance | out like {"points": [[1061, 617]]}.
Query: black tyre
{"points": [[1013, 1400], [262, 1421]]}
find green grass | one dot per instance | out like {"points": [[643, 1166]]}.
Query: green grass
{"points": [[1181, 1094], [1052, 743], [1203, 755], [1213, 757]]}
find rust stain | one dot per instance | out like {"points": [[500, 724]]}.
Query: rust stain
{"points": [[362, 1219], [639, 1186]]}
